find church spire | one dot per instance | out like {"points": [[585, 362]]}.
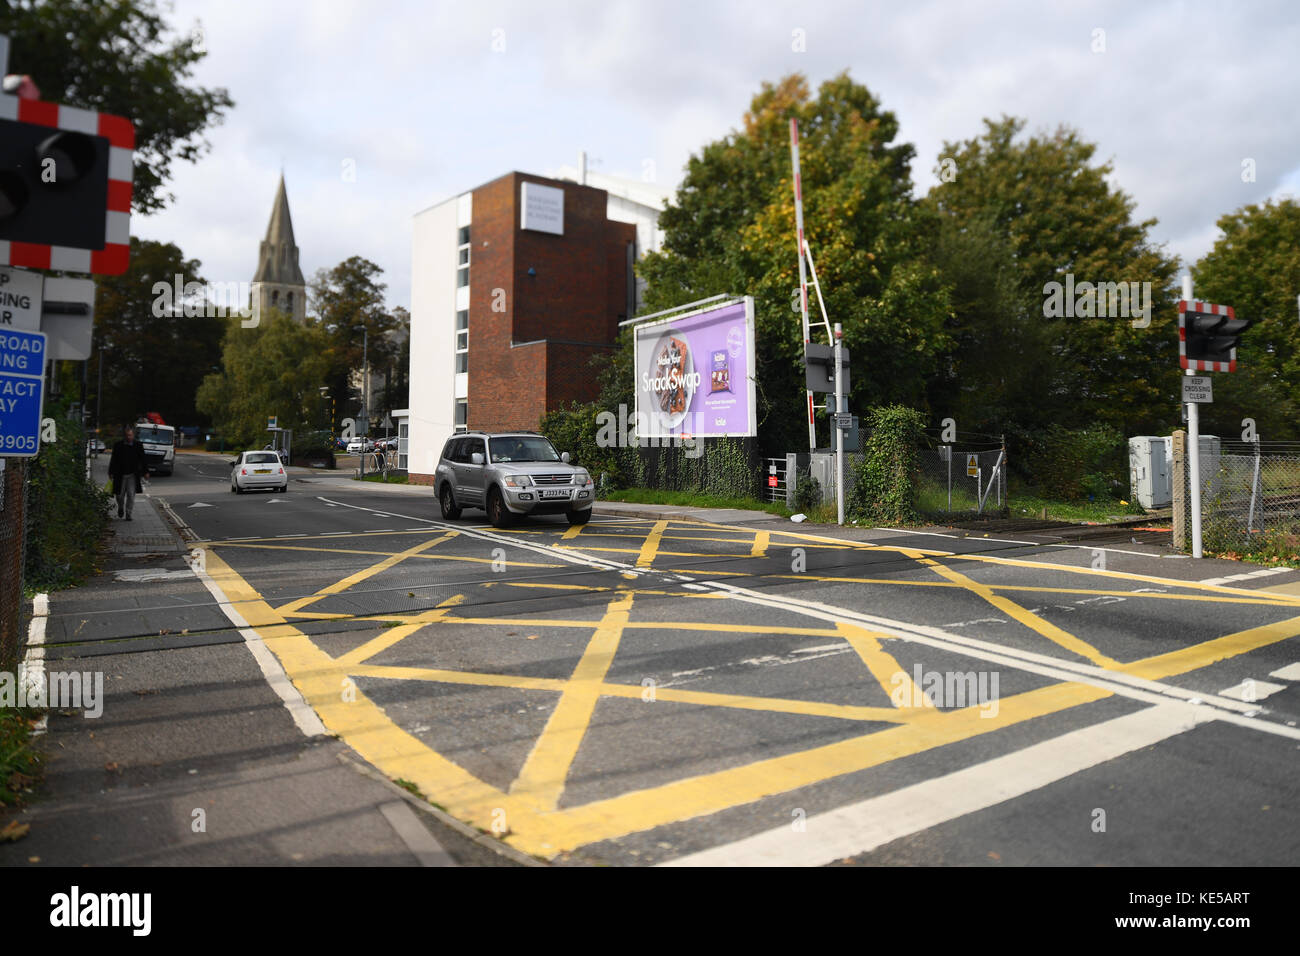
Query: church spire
{"points": [[278, 282], [278, 261]]}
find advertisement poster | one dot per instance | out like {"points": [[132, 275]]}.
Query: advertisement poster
{"points": [[695, 373]]}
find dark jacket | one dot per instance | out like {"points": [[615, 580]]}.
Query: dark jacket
{"points": [[127, 460]]}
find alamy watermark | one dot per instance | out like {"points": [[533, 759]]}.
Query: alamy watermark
{"points": [[210, 300], [1100, 300], [624, 431], [54, 690], [946, 689], [75, 908]]}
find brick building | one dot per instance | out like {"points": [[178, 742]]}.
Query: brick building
{"points": [[516, 286]]}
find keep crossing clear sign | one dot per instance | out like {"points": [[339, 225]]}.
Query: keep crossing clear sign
{"points": [[1198, 389], [22, 381]]}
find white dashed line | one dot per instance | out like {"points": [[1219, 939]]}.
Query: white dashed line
{"points": [[1261, 573], [1251, 690], [1290, 672]]}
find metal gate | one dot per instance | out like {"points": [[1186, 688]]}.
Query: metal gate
{"points": [[776, 480]]}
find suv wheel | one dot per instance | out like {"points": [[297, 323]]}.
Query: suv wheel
{"points": [[448, 504], [497, 511], [578, 517]]}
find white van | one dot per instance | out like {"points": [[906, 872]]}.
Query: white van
{"points": [[159, 446]]}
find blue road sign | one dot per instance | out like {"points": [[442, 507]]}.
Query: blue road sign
{"points": [[22, 390]]}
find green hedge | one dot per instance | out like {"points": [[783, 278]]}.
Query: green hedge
{"points": [[67, 514], [886, 480], [723, 467]]}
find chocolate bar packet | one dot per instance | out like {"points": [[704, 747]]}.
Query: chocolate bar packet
{"points": [[721, 378]]}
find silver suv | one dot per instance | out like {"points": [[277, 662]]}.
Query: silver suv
{"points": [[517, 473]]}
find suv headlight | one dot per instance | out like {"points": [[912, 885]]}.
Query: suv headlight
{"points": [[517, 481], [580, 477]]}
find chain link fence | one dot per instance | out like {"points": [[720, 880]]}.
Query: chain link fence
{"points": [[1250, 496], [13, 521], [962, 479]]}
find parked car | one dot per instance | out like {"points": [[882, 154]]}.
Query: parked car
{"points": [[359, 445], [258, 469], [516, 473], [95, 446]]}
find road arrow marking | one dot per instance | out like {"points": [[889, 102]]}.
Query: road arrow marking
{"points": [[200, 504]]}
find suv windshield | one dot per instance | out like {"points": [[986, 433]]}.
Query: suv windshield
{"points": [[522, 449], [155, 436]]}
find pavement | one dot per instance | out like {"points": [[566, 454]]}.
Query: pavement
{"points": [[193, 759]]}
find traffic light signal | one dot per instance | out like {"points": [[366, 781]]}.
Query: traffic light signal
{"points": [[1208, 336], [65, 187]]}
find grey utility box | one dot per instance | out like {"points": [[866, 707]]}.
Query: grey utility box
{"points": [[1151, 470]]}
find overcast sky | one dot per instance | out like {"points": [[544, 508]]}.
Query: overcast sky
{"points": [[415, 94]]}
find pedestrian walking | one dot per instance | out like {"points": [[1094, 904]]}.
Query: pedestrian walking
{"points": [[126, 468]]}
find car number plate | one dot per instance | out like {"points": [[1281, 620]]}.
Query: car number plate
{"points": [[261, 471], [556, 493]]}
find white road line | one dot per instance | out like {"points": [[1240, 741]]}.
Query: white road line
{"points": [[1290, 672], [303, 716], [1246, 576], [1039, 544], [1251, 690], [862, 827], [32, 669], [959, 537]]}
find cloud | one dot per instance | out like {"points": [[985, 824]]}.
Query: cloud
{"points": [[417, 95]]}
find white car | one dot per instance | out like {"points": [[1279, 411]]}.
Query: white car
{"points": [[258, 469], [358, 445]]}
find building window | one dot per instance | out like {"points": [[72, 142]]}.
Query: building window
{"points": [[462, 414], [288, 303], [462, 258], [275, 299], [462, 341]]}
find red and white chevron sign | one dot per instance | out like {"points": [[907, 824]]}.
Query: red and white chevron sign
{"points": [[112, 258], [1194, 307]]}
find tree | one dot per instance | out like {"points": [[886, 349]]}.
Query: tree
{"points": [[275, 369], [1255, 268], [153, 352], [1015, 217], [112, 57], [397, 384], [343, 301], [731, 229]]}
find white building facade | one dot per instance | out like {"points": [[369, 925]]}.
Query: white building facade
{"points": [[441, 277]]}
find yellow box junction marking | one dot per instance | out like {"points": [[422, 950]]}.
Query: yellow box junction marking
{"points": [[530, 807]]}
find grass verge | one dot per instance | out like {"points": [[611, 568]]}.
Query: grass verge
{"points": [[386, 479]]}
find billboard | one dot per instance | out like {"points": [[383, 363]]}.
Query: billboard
{"points": [[695, 373]]}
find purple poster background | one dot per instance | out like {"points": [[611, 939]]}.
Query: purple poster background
{"points": [[694, 374]]}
